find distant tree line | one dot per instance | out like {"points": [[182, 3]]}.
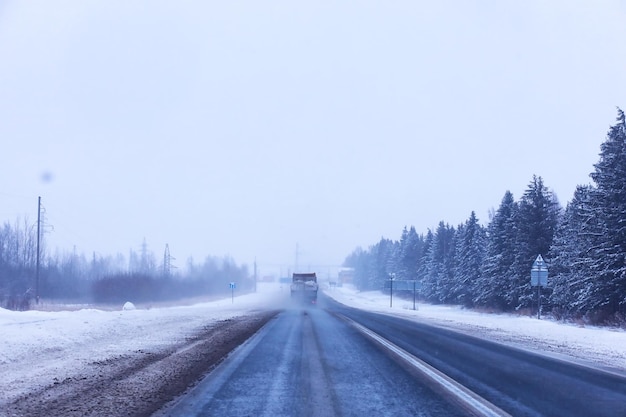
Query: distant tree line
{"points": [[584, 246], [72, 277]]}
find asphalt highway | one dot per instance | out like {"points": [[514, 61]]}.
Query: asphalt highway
{"points": [[314, 361], [520, 382]]}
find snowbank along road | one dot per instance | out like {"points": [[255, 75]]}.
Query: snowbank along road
{"points": [[139, 382]]}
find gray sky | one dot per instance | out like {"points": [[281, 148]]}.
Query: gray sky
{"points": [[243, 128]]}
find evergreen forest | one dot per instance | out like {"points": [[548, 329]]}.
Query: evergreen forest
{"points": [[488, 267]]}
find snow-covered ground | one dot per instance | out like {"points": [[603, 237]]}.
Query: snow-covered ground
{"points": [[600, 347], [40, 347]]}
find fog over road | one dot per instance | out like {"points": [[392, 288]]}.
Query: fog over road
{"points": [[310, 361]]}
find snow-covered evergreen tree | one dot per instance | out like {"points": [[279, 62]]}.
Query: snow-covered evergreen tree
{"points": [[410, 253], [424, 265], [372, 267], [493, 286], [447, 277], [609, 253], [572, 280], [359, 261], [438, 264], [399, 266], [470, 254], [537, 218]]}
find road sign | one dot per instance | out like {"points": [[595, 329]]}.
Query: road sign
{"points": [[232, 292], [403, 284], [539, 273]]}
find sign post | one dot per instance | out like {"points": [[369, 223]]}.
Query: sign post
{"points": [[232, 291], [539, 278], [391, 278]]}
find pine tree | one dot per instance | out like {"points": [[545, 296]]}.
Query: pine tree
{"points": [[359, 261], [572, 280], [493, 286], [410, 252], [399, 264], [447, 277], [427, 289], [537, 218], [439, 264], [470, 254], [609, 254], [380, 256]]}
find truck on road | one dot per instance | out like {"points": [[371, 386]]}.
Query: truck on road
{"points": [[304, 287]]}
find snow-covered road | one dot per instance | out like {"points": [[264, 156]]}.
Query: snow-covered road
{"points": [[39, 348]]}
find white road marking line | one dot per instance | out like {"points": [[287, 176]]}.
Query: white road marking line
{"points": [[469, 399]]}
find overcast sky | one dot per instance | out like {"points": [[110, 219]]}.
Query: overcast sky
{"points": [[245, 128]]}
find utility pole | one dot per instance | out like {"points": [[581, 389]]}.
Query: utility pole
{"points": [[144, 257], [38, 251], [297, 253], [166, 261], [255, 277]]}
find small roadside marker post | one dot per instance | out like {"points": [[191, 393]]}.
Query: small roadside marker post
{"points": [[232, 291]]}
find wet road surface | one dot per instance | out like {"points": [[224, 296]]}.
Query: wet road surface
{"points": [[310, 361], [307, 362]]}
